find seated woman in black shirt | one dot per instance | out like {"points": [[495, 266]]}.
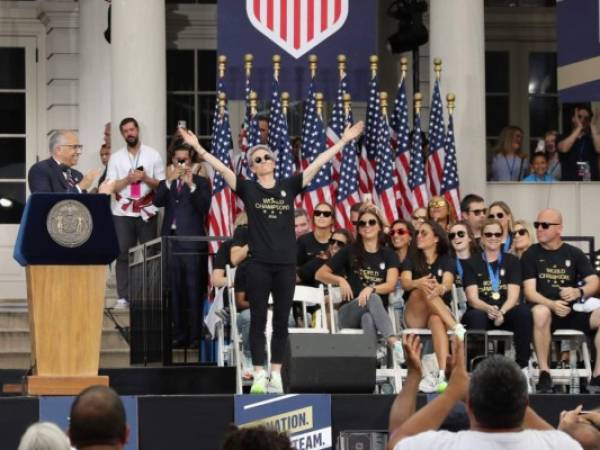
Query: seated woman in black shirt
{"points": [[366, 273], [492, 282], [401, 235], [338, 240], [315, 244], [428, 277], [501, 211], [463, 246]]}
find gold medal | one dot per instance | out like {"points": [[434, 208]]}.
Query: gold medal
{"points": [[495, 295]]}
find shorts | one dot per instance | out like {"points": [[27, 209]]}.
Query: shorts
{"points": [[579, 321]]}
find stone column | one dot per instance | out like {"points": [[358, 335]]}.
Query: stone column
{"points": [[456, 31], [94, 80], [139, 80]]}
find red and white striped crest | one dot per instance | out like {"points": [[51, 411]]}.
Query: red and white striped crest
{"points": [[297, 26]]}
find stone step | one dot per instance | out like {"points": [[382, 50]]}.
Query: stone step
{"points": [[19, 319], [19, 340]]}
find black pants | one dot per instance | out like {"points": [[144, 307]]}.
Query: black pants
{"points": [[187, 294], [280, 281], [130, 231], [518, 320]]}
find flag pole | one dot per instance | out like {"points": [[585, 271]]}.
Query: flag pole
{"points": [[248, 59], [451, 99], [347, 99], [418, 103], [437, 68], [285, 102], [222, 102], [383, 101], [374, 64], [312, 65], [319, 101], [276, 66], [222, 64], [253, 103], [341, 59]]}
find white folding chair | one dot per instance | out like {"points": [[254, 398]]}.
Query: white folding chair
{"points": [[236, 340], [311, 296]]}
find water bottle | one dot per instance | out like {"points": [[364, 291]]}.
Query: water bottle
{"points": [[574, 376]]}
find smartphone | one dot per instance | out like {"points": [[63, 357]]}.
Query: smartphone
{"points": [[181, 162], [140, 168], [182, 124]]}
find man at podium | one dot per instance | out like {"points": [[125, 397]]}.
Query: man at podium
{"points": [[56, 174]]}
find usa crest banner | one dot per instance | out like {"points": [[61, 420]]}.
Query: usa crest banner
{"points": [[295, 29]]}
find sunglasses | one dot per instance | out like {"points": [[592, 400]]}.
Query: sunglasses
{"points": [[399, 232], [437, 203], [319, 213], [489, 234], [544, 225], [478, 212], [499, 215], [354, 223], [265, 158], [521, 232], [420, 218], [364, 223], [337, 242], [460, 234]]}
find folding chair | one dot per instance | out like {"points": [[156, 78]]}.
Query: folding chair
{"points": [[236, 340], [311, 296]]}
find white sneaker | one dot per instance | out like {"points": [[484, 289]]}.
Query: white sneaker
{"points": [[259, 386], [398, 352], [441, 384], [589, 305], [275, 385], [121, 304], [525, 371], [459, 331], [428, 384]]}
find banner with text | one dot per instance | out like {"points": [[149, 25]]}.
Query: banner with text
{"points": [[295, 29], [578, 30], [305, 418]]}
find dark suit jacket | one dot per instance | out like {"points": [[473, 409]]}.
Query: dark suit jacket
{"points": [[189, 210], [47, 176]]}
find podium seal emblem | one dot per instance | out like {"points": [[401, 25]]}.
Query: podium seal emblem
{"points": [[69, 223]]}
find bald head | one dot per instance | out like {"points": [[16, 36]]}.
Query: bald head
{"points": [[549, 226], [97, 418], [550, 215]]}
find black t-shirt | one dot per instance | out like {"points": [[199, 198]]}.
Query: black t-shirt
{"points": [[372, 271], [553, 269], [271, 219], [222, 257], [582, 150], [476, 273], [443, 263], [240, 236], [459, 269], [306, 272], [307, 247]]}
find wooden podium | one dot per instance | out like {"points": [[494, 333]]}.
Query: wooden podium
{"points": [[65, 299]]}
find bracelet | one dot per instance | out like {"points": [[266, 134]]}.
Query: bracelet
{"points": [[374, 290], [582, 294]]}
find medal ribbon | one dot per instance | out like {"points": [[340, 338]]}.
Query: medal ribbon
{"points": [[493, 274]]}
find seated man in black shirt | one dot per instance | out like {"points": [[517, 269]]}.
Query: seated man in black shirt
{"points": [[555, 276]]}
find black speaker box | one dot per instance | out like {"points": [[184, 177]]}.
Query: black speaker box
{"points": [[329, 363]]}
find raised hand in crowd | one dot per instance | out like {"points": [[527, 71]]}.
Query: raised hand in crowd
{"points": [[575, 120], [413, 348], [458, 384]]}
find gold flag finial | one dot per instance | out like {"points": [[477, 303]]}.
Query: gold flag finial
{"points": [[451, 99], [312, 65], [221, 64], [341, 59], [319, 101], [222, 102], [248, 58], [403, 66], [347, 99], [276, 65], [374, 64], [383, 101], [437, 68], [253, 102], [418, 100], [285, 102]]}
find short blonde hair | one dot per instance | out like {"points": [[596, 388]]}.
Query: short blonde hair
{"points": [[44, 436], [254, 149]]}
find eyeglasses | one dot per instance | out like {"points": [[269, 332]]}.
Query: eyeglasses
{"points": [[419, 218], [544, 225], [399, 232], [364, 223], [319, 213], [489, 234], [478, 212], [73, 146], [265, 158], [337, 242], [437, 203], [499, 215], [460, 234], [521, 232]]}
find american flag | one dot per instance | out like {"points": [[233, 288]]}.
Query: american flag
{"points": [[384, 173], [313, 144], [336, 127], [241, 166], [450, 183], [435, 159], [216, 117], [279, 141], [306, 128], [253, 139], [347, 189], [220, 215], [400, 131], [416, 177], [368, 152]]}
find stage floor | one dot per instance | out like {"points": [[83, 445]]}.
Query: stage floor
{"points": [[200, 421]]}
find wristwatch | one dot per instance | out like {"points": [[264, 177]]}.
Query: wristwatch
{"points": [[581, 294]]}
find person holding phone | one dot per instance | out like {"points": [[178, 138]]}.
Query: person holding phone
{"points": [[135, 170], [269, 204]]}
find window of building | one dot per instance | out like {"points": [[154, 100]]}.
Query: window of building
{"points": [[12, 134], [543, 96]]}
